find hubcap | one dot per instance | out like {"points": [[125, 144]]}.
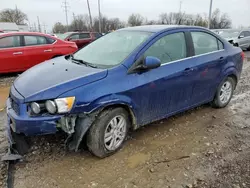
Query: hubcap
{"points": [[115, 133], [226, 92]]}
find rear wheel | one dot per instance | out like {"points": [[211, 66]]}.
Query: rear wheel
{"points": [[108, 132], [224, 93]]}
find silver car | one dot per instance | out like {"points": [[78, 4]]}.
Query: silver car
{"points": [[240, 38]]}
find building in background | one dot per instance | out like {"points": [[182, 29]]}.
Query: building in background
{"points": [[13, 27]]}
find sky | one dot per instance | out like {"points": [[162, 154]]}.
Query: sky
{"points": [[51, 11]]}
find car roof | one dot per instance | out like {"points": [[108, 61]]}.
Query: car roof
{"points": [[157, 28], [26, 33]]}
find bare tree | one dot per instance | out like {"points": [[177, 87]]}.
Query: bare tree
{"points": [[80, 23], [59, 28], [135, 20], [13, 15], [172, 18], [219, 21]]}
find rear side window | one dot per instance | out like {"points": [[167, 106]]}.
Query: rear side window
{"points": [[84, 36], [34, 40], [205, 43], [169, 48], [10, 42]]}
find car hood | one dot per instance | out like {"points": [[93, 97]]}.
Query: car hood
{"points": [[52, 78], [231, 38]]}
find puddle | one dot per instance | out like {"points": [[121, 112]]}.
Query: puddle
{"points": [[4, 92], [138, 159]]}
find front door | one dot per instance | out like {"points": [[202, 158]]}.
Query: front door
{"points": [[12, 55], [167, 89]]}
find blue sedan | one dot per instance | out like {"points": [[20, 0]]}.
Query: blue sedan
{"points": [[124, 80]]}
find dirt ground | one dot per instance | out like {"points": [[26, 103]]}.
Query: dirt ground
{"points": [[204, 147]]}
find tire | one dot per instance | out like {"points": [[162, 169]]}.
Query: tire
{"points": [[103, 126], [248, 49], [218, 102], [21, 145]]}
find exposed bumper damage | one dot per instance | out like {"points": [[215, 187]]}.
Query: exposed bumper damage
{"points": [[77, 127]]}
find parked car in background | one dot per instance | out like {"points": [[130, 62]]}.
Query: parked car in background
{"points": [[124, 80], [22, 50], [1, 31], [80, 38], [239, 38]]}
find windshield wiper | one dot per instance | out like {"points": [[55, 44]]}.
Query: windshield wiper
{"points": [[80, 61]]}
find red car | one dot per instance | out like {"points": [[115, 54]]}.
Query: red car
{"points": [[80, 38], [21, 50]]}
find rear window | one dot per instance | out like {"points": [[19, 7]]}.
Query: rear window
{"points": [[34, 40], [10, 42]]}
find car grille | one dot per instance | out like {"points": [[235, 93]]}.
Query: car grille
{"points": [[15, 106]]}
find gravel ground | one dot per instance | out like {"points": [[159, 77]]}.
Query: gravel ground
{"points": [[204, 147]]}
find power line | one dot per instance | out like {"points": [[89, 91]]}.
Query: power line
{"points": [[65, 7]]}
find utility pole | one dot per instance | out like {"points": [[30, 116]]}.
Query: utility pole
{"points": [[90, 17], [75, 23], [180, 6], [39, 26], [65, 7], [210, 14], [180, 16], [100, 16], [44, 28]]}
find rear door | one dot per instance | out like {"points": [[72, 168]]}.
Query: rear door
{"points": [[209, 57], [12, 55], [37, 49]]}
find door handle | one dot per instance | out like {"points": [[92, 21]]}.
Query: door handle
{"points": [[188, 70], [49, 50], [17, 53], [221, 59]]}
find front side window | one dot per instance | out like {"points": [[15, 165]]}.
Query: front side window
{"points": [[74, 37], [169, 48], [10, 42], [110, 50], [246, 34], [34, 40], [204, 43]]}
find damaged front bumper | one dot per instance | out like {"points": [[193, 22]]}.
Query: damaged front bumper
{"points": [[30, 126], [75, 126]]}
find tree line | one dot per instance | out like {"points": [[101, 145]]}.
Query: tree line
{"points": [[81, 22]]}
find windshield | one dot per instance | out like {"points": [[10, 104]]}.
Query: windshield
{"points": [[229, 34], [63, 36], [111, 49]]}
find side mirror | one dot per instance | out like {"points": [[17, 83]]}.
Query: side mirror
{"points": [[151, 63], [144, 64], [241, 36]]}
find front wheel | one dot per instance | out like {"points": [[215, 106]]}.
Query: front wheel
{"points": [[224, 93], [108, 132]]}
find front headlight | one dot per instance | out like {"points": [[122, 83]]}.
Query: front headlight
{"points": [[35, 107], [64, 104], [50, 106]]}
